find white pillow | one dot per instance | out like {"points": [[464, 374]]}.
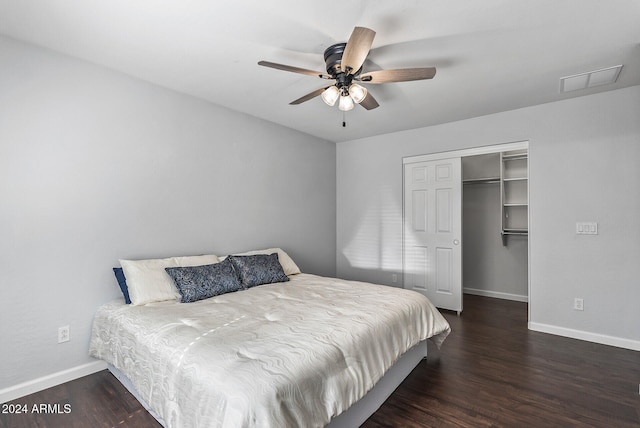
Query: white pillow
{"points": [[149, 282], [288, 265]]}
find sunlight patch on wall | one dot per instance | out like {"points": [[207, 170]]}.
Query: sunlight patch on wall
{"points": [[377, 242]]}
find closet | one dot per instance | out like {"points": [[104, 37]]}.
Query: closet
{"points": [[465, 224], [495, 224]]}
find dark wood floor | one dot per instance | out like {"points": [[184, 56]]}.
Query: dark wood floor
{"points": [[491, 371]]}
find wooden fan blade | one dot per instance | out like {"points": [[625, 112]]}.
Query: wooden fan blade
{"points": [[369, 102], [357, 49], [309, 96], [294, 69], [399, 75]]}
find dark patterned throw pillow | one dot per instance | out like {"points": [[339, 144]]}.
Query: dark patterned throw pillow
{"points": [[122, 282], [201, 282], [258, 269]]}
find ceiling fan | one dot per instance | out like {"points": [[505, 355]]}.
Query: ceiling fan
{"points": [[344, 65]]}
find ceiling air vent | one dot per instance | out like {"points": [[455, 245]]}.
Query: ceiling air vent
{"points": [[604, 76]]}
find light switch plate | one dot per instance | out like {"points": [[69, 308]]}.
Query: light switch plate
{"points": [[587, 228]]}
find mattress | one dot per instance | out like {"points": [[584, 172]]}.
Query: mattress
{"points": [[294, 354]]}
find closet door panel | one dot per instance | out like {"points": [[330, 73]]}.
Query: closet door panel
{"points": [[433, 230]]}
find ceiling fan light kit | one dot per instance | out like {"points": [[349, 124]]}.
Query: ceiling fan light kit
{"points": [[346, 103], [357, 92], [348, 96], [344, 64], [331, 95]]}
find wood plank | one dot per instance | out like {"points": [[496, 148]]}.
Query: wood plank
{"points": [[97, 400], [492, 371]]}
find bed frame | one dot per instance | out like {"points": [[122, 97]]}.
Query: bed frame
{"points": [[357, 414]]}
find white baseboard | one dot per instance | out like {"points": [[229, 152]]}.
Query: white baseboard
{"points": [[603, 339], [54, 379], [496, 294]]}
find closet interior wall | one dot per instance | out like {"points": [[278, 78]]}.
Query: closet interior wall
{"points": [[489, 267]]}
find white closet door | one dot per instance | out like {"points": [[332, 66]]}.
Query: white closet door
{"points": [[433, 231]]}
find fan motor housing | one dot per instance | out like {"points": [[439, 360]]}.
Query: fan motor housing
{"points": [[333, 59]]}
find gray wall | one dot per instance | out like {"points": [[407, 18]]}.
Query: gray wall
{"points": [[584, 166], [97, 166]]}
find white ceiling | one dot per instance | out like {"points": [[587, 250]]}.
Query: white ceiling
{"points": [[490, 55]]}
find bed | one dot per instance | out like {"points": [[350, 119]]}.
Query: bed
{"points": [[306, 351]]}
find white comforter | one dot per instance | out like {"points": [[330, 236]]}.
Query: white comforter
{"points": [[288, 354]]}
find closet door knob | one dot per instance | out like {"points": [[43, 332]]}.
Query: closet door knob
{"points": [[456, 242]]}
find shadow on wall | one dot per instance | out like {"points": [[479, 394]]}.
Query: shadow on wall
{"points": [[376, 276]]}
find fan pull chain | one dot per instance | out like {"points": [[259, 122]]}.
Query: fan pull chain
{"points": [[344, 120]]}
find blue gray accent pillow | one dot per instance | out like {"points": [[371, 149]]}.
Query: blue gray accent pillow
{"points": [[122, 282], [258, 269], [201, 282]]}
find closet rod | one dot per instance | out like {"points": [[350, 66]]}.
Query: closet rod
{"points": [[481, 181], [515, 157]]}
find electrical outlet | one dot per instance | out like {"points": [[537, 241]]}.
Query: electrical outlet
{"points": [[63, 334], [394, 277], [578, 304]]}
